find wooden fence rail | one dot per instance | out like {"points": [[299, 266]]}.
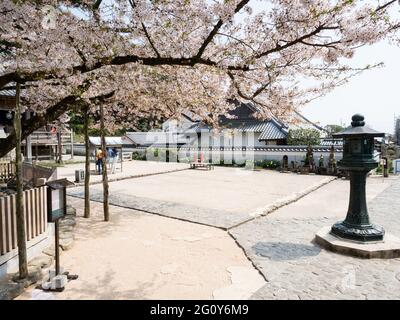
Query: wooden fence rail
{"points": [[35, 210]]}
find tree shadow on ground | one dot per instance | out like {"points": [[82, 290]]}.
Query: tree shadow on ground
{"points": [[282, 251], [95, 226], [105, 288]]}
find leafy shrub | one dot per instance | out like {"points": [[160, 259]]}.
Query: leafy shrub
{"points": [[249, 164], [138, 156], [268, 164], [304, 137], [273, 164]]}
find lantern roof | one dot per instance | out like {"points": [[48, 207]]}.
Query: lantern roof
{"points": [[358, 128], [59, 184]]}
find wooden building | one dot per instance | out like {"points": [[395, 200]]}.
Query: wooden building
{"points": [[42, 144]]}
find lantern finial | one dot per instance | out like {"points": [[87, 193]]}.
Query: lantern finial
{"points": [[358, 120]]}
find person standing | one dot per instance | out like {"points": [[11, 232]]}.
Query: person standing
{"points": [[99, 160], [113, 159]]}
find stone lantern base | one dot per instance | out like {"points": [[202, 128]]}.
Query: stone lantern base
{"points": [[389, 248], [370, 233]]}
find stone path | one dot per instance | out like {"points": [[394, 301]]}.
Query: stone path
{"points": [[281, 247], [210, 217], [221, 198]]}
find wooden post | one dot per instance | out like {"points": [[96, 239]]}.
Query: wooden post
{"points": [[72, 143], [28, 140], [59, 145], [104, 160], [87, 164], [57, 246], [22, 255]]}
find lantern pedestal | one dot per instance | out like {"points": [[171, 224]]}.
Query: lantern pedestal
{"points": [[357, 226], [369, 233], [356, 235], [387, 249]]}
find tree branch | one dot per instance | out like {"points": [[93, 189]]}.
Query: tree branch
{"points": [[295, 41], [119, 60], [215, 30], [150, 41]]}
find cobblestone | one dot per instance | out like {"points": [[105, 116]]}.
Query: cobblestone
{"points": [[295, 267]]}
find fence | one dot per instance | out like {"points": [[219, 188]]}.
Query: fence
{"points": [[31, 172], [48, 138], [238, 155], [7, 171], [35, 211]]}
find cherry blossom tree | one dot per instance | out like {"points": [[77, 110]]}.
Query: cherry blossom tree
{"points": [[160, 57], [142, 59]]}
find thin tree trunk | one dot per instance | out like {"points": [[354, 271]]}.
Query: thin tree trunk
{"points": [[59, 145], [104, 160], [87, 164], [22, 256]]}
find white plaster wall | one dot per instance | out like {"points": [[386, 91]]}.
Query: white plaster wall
{"points": [[9, 261]]}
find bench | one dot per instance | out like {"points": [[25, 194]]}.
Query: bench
{"points": [[126, 156], [208, 166]]}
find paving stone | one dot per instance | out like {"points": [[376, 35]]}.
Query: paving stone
{"points": [[50, 251], [67, 243], [283, 249], [43, 261], [212, 217], [67, 222], [71, 211], [10, 289], [34, 275]]}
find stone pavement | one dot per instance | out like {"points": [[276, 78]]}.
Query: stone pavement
{"points": [[210, 217], [223, 198], [281, 247]]}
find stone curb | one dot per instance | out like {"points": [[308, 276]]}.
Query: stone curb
{"points": [[81, 184], [264, 211], [292, 198]]}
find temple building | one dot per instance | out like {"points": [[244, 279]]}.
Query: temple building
{"points": [[42, 144], [243, 130]]}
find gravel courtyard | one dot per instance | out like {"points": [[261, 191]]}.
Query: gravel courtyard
{"points": [[223, 197]]}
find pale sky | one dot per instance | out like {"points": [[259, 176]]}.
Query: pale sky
{"points": [[374, 93]]}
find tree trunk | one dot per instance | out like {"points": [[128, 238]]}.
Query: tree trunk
{"points": [[104, 160], [87, 164], [22, 256], [59, 145]]}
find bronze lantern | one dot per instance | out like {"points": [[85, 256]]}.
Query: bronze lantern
{"points": [[358, 160]]}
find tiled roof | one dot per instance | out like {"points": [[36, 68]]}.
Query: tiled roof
{"points": [[110, 141], [302, 149], [273, 132], [8, 93], [332, 142], [269, 130]]}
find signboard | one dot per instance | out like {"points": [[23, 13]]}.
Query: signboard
{"points": [[57, 204], [396, 164], [56, 199]]}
